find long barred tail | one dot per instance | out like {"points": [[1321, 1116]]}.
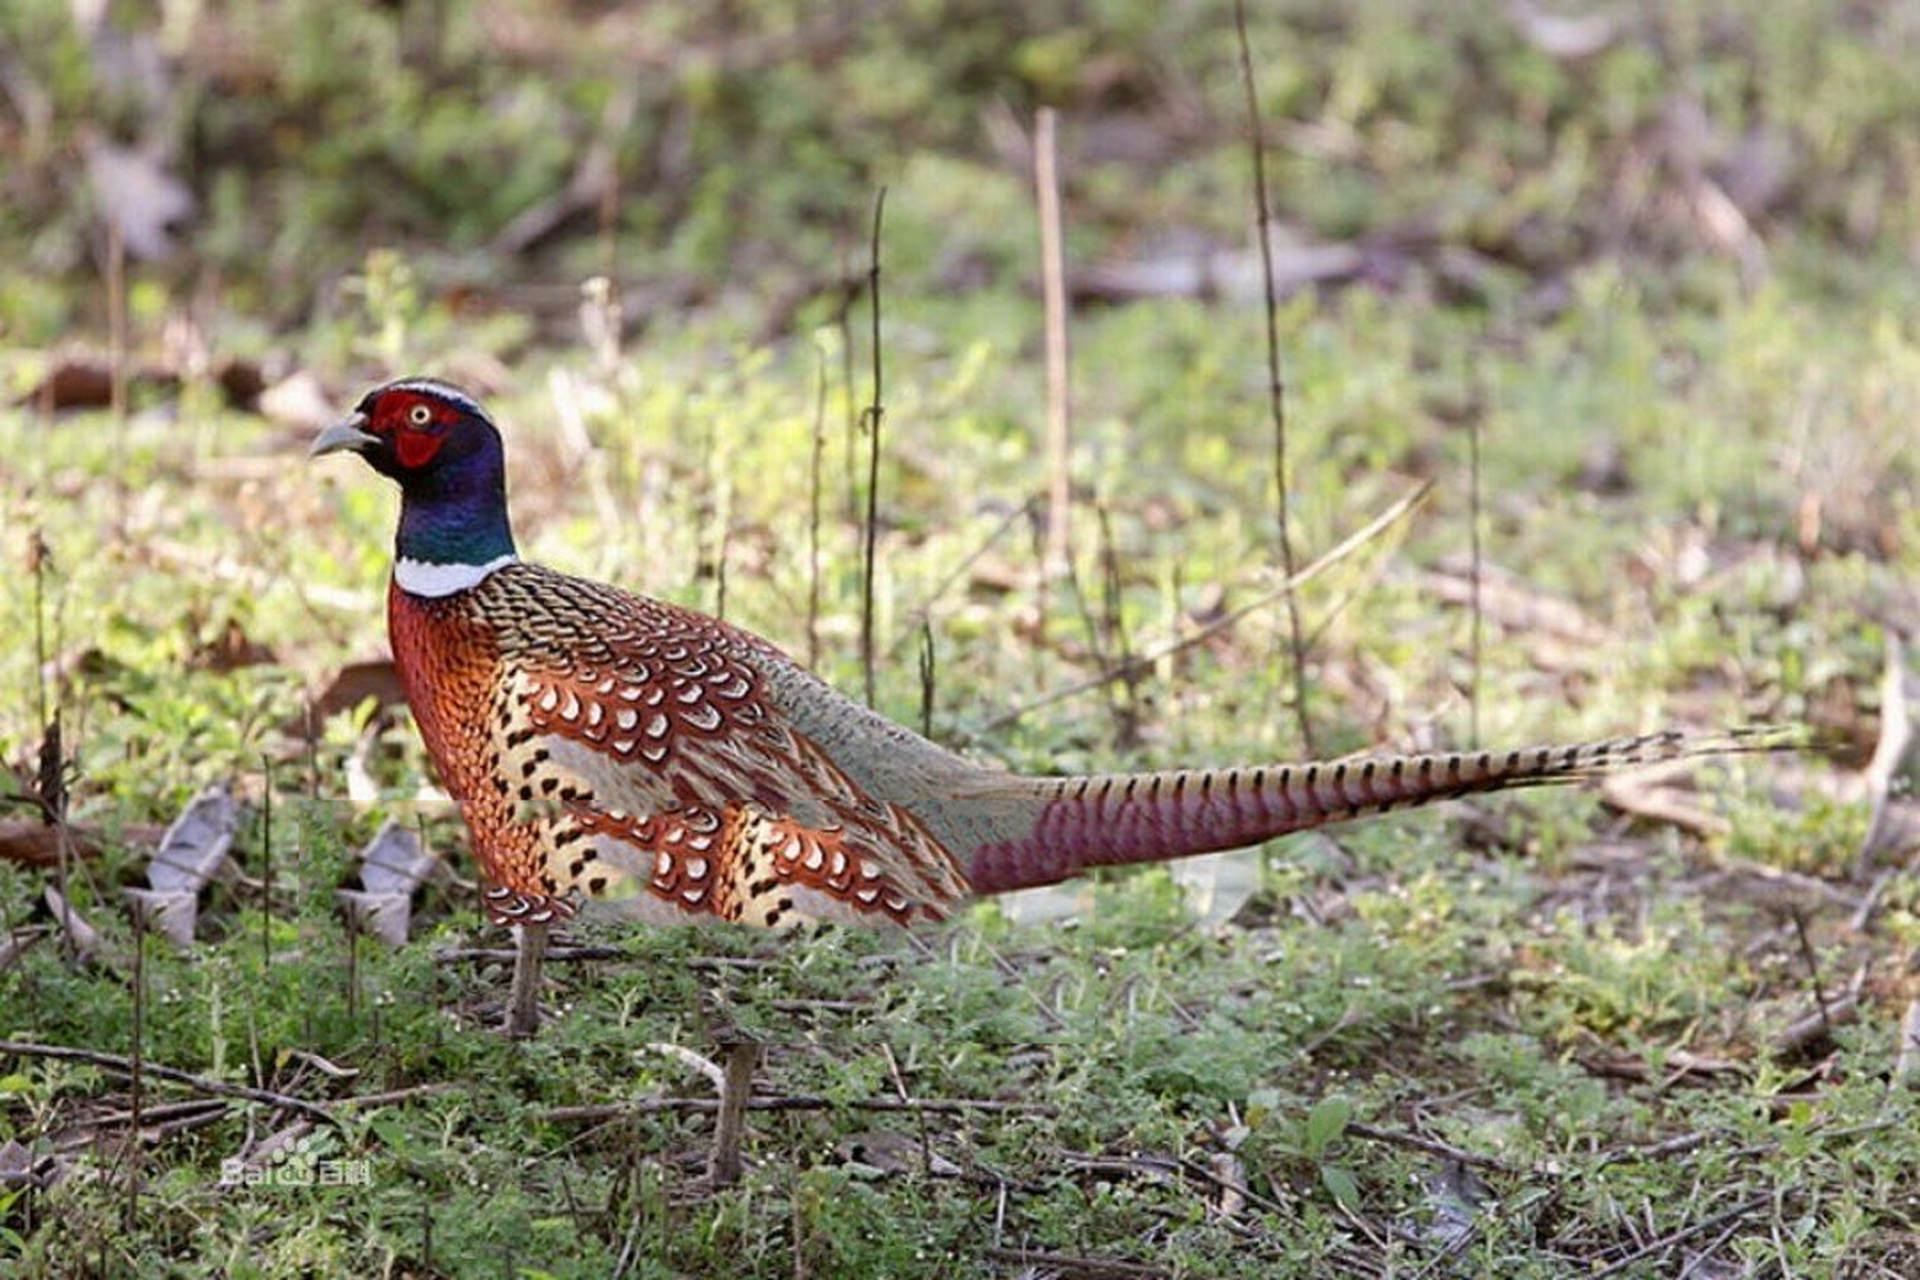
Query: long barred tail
{"points": [[1118, 819]]}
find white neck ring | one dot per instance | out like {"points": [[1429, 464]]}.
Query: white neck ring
{"points": [[424, 578]]}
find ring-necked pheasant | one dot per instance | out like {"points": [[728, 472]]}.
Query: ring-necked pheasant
{"points": [[604, 745]]}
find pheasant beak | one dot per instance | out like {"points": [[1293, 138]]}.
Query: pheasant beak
{"points": [[347, 435]]}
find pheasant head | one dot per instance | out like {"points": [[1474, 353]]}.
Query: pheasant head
{"points": [[437, 443]]}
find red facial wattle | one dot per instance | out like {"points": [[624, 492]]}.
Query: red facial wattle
{"points": [[416, 448]]}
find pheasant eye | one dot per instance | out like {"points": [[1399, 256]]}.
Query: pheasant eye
{"points": [[420, 415]]}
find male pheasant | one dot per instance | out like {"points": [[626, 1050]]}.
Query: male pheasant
{"points": [[607, 746]]}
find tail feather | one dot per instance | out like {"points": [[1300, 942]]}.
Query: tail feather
{"points": [[1072, 824]]}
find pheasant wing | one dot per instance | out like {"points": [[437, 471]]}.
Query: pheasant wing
{"points": [[678, 785]]}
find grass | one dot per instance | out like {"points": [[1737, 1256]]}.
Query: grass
{"points": [[1586, 1010]]}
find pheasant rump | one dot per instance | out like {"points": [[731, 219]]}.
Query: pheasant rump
{"points": [[603, 745]]}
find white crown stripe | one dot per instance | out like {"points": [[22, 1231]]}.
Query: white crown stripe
{"points": [[425, 578], [444, 390]]}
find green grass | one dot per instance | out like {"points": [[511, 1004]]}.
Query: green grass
{"points": [[1588, 1005]]}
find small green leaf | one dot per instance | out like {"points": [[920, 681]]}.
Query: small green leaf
{"points": [[1340, 1184], [1326, 1122], [391, 1131]]}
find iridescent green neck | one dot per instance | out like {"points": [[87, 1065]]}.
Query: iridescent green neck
{"points": [[455, 517]]}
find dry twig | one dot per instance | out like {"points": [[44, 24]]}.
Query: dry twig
{"points": [[1432, 1146], [600, 1113], [1673, 1239], [200, 1084]]}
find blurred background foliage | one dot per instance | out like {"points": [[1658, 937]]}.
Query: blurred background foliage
{"points": [[733, 148]]}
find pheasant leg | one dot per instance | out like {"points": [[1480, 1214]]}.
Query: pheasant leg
{"points": [[523, 1000]]}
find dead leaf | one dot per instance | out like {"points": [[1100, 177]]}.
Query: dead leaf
{"points": [[16, 1164], [275, 1148], [1511, 602], [37, 844], [395, 862], [241, 381], [363, 789], [21, 1167], [1634, 794], [171, 914], [1678, 1065], [1787, 893], [84, 938], [995, 576], [1567, 37], [387, 916], [1459, 1199], [1058, 906], [193, 853], [1232, 1185], [1207, 272], [1906, 1060], [231, 649], [1218, 885], [48, 787], [325, 1066], [17, 943], [885, 1153], [1759, 170], [137, 195], [393, 867], [352, 685], [1897, 688], [1812, 1028], [73, 382], [298, 400], [91, 664], [194, 850]]}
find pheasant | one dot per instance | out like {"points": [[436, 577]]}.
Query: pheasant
{"points": [[608, 746]]}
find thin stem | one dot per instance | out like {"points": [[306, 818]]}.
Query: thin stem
{"points": [[117, 357], [136, 1080], [1276, 387], [1479, 620], [266, 874], [875, 413], [813, 510], [927, 674], [1053, 292]]}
